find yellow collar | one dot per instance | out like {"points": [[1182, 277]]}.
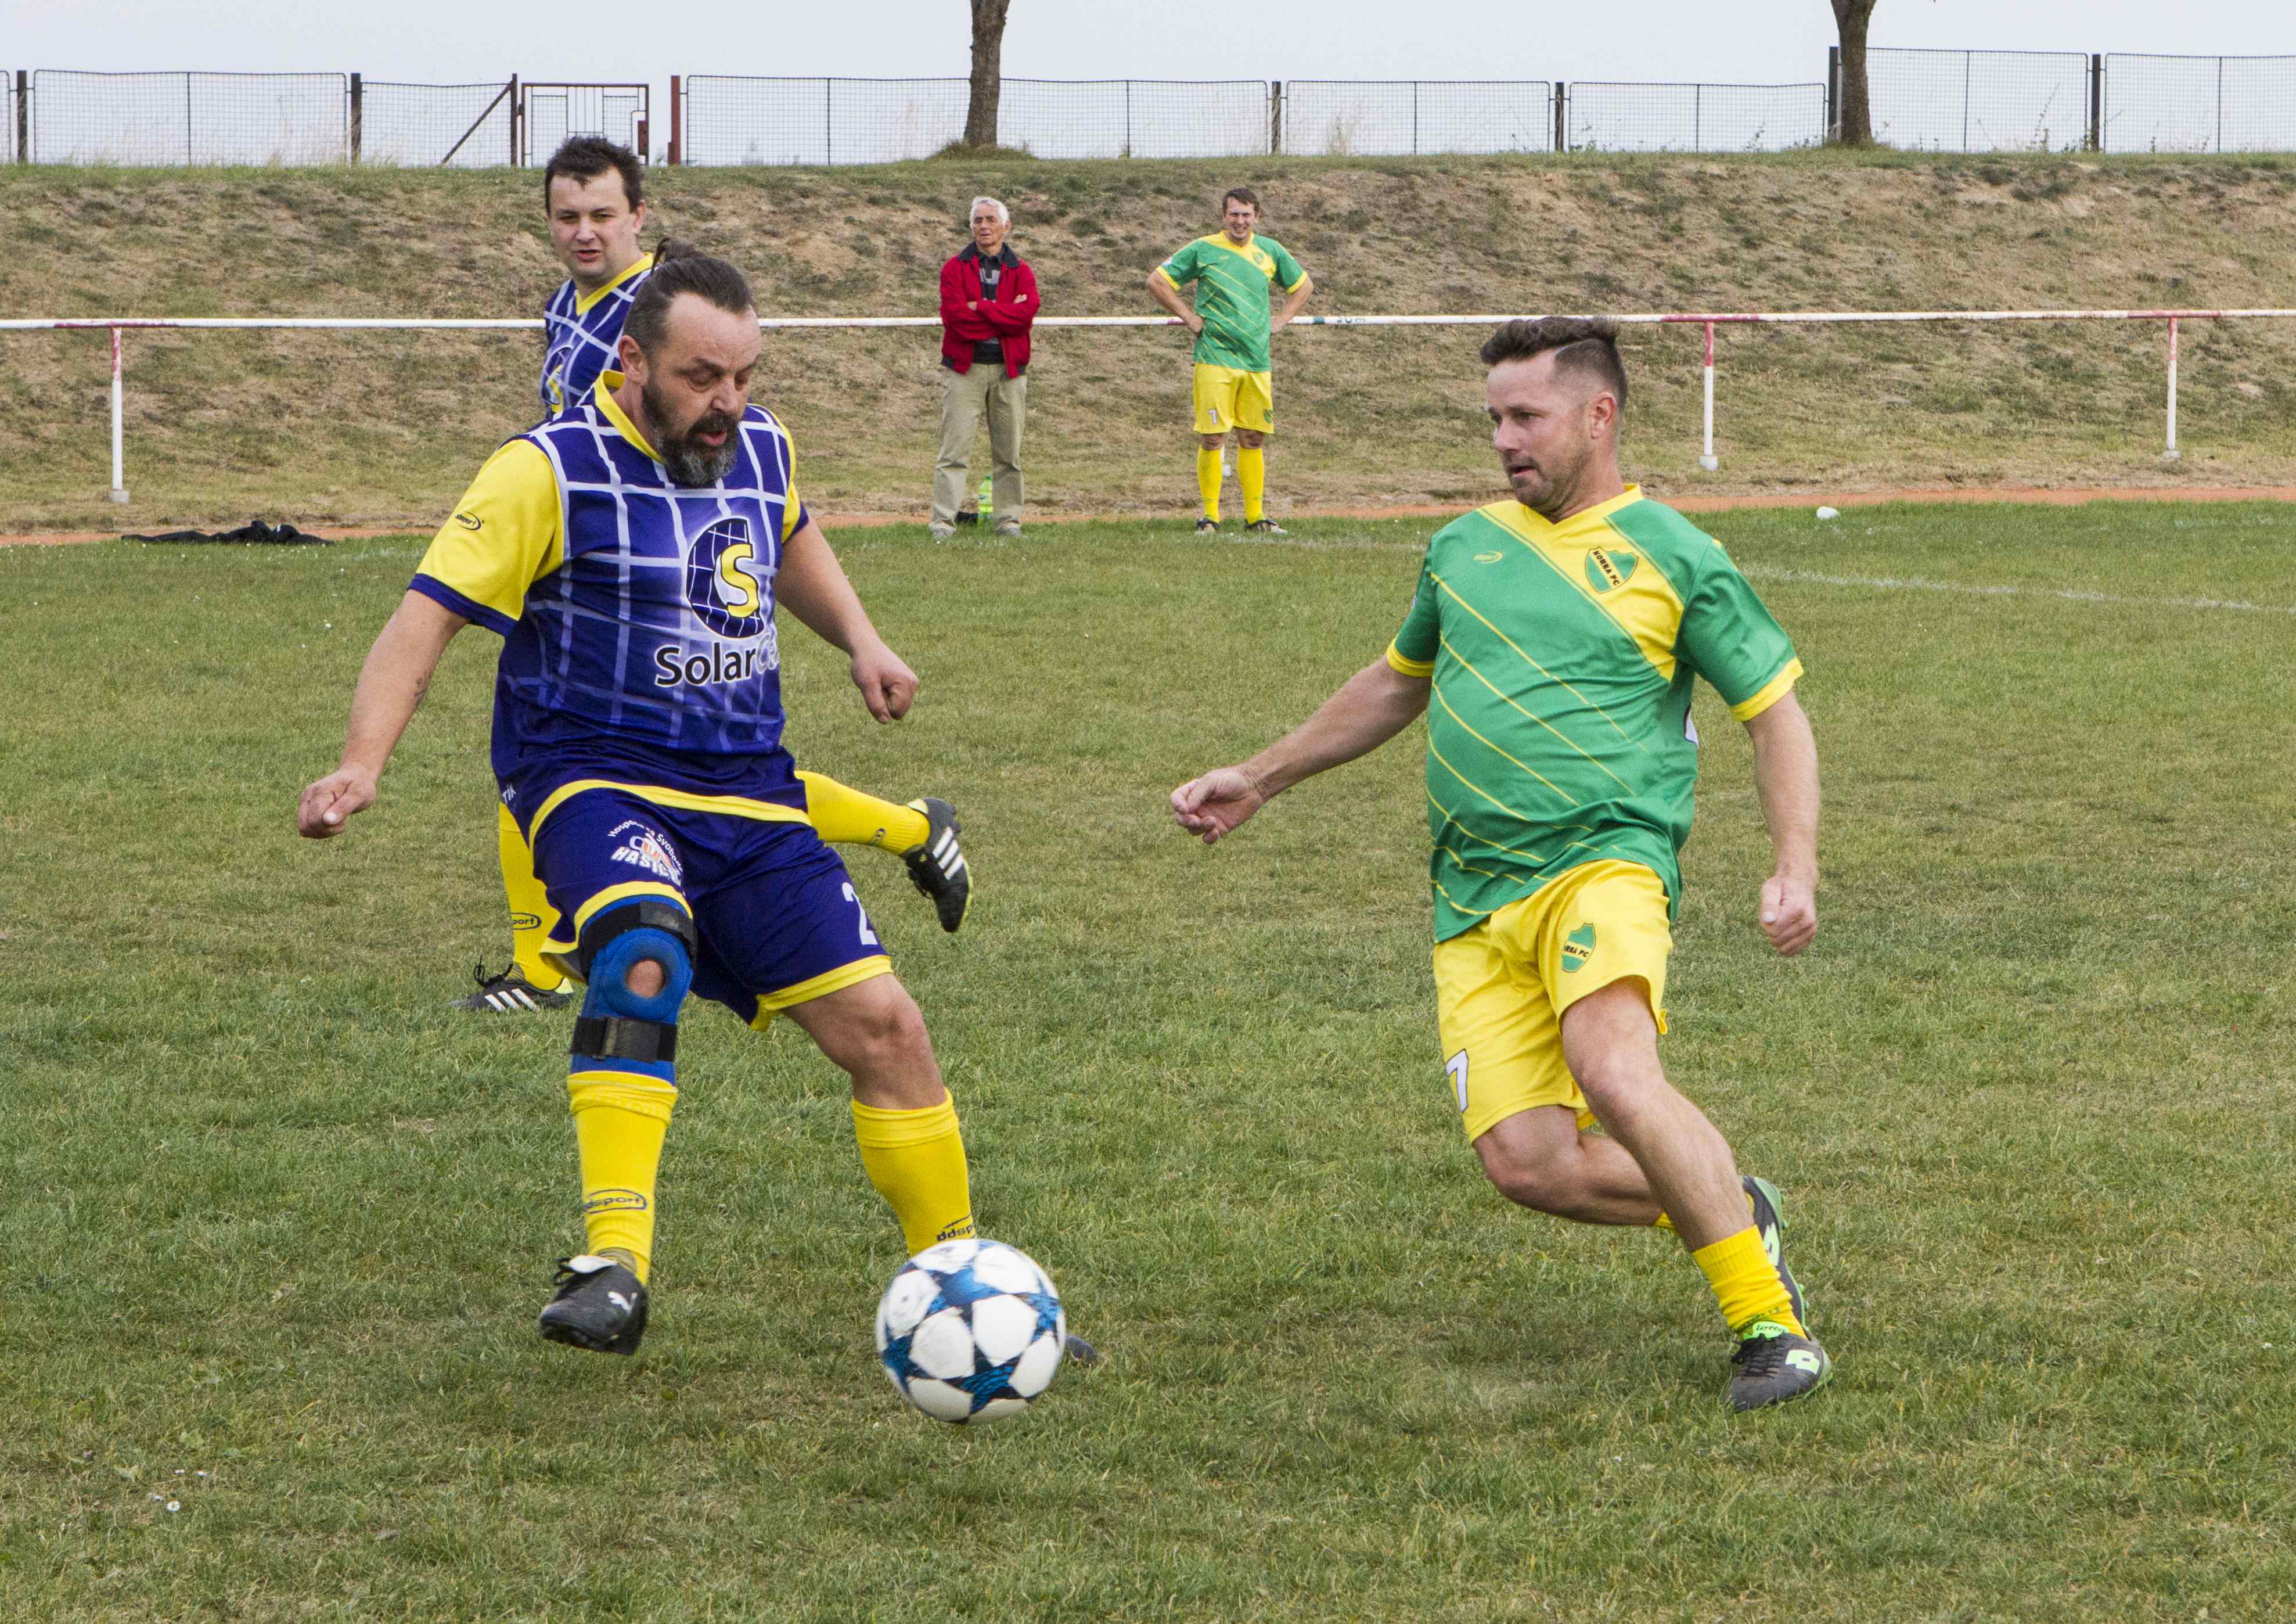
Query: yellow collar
{"points": [[638, 266], [1585, 519], [609, 381]]}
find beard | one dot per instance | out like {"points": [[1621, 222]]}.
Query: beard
{"points": [[692, 465], [1558, 488]]}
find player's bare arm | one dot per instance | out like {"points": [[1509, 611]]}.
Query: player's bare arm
{"points": [[811, 585], [1292, 304], [1368, 709], [1785, 777], [391, 684], [1168, 296]]}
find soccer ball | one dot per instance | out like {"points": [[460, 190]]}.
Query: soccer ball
{"points": [[970, 1331]]}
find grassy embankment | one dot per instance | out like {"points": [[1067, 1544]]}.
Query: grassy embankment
{"points": [[344, 428]]}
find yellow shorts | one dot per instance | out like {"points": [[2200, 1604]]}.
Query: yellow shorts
{"points": [[1226, 398], [1500, 988]]}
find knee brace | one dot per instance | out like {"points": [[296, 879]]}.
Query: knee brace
{"points": [[616, 1023]]}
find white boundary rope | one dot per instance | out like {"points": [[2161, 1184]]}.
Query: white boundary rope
{"points": [[1710, 321]]}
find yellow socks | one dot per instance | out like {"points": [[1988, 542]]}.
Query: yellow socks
{"points": [[845, 817], [530, 912], [1208, 480], [1746, 1282], [916, 1160], [1251, 473], [619, 1121]]}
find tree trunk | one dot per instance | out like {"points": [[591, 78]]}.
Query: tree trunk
{"points": [[988, 75], [1854, 111]]}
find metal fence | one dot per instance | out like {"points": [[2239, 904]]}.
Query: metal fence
{"points": [[469, 127], [1946, 101], [1979, 100], [1693, 118], [2200, 104], [166, 119], [1395, 117]]}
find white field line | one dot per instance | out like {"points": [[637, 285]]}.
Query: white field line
{"points": [[1893, 583]]}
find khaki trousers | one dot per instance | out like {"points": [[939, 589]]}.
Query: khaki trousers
{"points": [[964, 396]]}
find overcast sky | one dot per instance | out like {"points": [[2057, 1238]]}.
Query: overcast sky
{"points": [[1750, 41]]}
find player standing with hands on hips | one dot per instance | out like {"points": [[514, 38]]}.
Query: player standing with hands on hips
{"points": [[632, 553], [1237, 272], [1557, 636]]}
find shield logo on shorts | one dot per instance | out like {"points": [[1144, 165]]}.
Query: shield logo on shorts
{"points": [[1577, 947]]}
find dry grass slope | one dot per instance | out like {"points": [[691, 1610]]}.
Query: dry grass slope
{"points": [[387, 427]]}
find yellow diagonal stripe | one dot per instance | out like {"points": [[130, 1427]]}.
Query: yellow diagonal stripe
{"points": [[1533, 664]]}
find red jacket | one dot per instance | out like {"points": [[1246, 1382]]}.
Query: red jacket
{"points": [[1006, 318]]}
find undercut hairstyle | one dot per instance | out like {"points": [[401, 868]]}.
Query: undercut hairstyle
{"points": [[587, 158], [704, 275], [1239, 194], [1588, 345]]}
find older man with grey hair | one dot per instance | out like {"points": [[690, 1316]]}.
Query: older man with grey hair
{"points": [[988, 305]]}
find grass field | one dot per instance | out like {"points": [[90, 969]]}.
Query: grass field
{"points": [[385, 427], [278, 1221]]}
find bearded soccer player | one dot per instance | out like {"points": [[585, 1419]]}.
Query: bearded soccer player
{"points": [[1557, 634], [594, 191], [632, 553], [1237, 272]]}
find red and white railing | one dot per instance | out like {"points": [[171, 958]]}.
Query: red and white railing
{"points": [[116, 325]]}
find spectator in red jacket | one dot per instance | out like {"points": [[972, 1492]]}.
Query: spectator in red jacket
{"points": [[988, 304]]}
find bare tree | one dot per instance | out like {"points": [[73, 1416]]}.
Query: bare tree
{"points": [[987, 73], [1853, 110]]}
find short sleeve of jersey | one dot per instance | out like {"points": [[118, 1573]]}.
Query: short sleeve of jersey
{"points": [[1729, 634], [1288, 274], [1412, 651], [1182, 268], [506, 534]]}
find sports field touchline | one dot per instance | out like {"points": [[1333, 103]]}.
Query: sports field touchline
{"points": [[1888, 583]]}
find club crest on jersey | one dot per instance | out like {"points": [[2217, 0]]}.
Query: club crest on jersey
{"points": [[642, 847], [1608, 567], [1577, 947]]}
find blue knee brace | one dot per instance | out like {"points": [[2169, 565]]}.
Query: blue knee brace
{"points": [[616, 1023]]}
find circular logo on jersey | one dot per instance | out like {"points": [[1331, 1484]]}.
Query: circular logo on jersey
{"points": [[726, 580]]}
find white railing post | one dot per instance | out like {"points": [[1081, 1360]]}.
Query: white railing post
{"points": [[2171, 454], [119, 458], [1709, 461]]}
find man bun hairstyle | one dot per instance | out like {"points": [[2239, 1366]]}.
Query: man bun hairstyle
{"points": [[587, 158], [1588, 345], [672, 248], [704, 275]]}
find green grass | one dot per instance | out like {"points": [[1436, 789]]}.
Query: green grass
{"points": [[276, 1217]]}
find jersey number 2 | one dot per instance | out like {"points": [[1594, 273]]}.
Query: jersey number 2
{"points": [[869, 937]]}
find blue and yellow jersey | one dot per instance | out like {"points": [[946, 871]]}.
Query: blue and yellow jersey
{"points": [[579, 334], [638, 615], [1562, 658], [1231, 282]]}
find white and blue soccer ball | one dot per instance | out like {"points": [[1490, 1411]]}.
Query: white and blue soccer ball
{"points": [[970, 1331]]}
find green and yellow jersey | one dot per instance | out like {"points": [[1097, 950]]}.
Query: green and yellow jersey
{"points": [[1562, 658], [1231, 284]]}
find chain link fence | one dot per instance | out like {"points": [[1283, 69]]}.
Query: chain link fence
{"points": [[177, 118], [1133, 118], [2200, 104], [469, 127], [1389, 117], [1978, 101], [1693, 118]]}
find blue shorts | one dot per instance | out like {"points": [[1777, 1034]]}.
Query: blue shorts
{"points": [[777, 918]]}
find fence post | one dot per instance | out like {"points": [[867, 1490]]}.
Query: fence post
{"points": [[358, 111], [23, 116], [828, 152], [118, 460], [1127, 117], [1561, 136], [188, 136], [517, 106], [1415, 117], [1697, 103], [1707, 459], [677, 121], [1968, 61], [2220, 146], [2172, 454], [2097, 102], [1275, 118], [1833, 94]]}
